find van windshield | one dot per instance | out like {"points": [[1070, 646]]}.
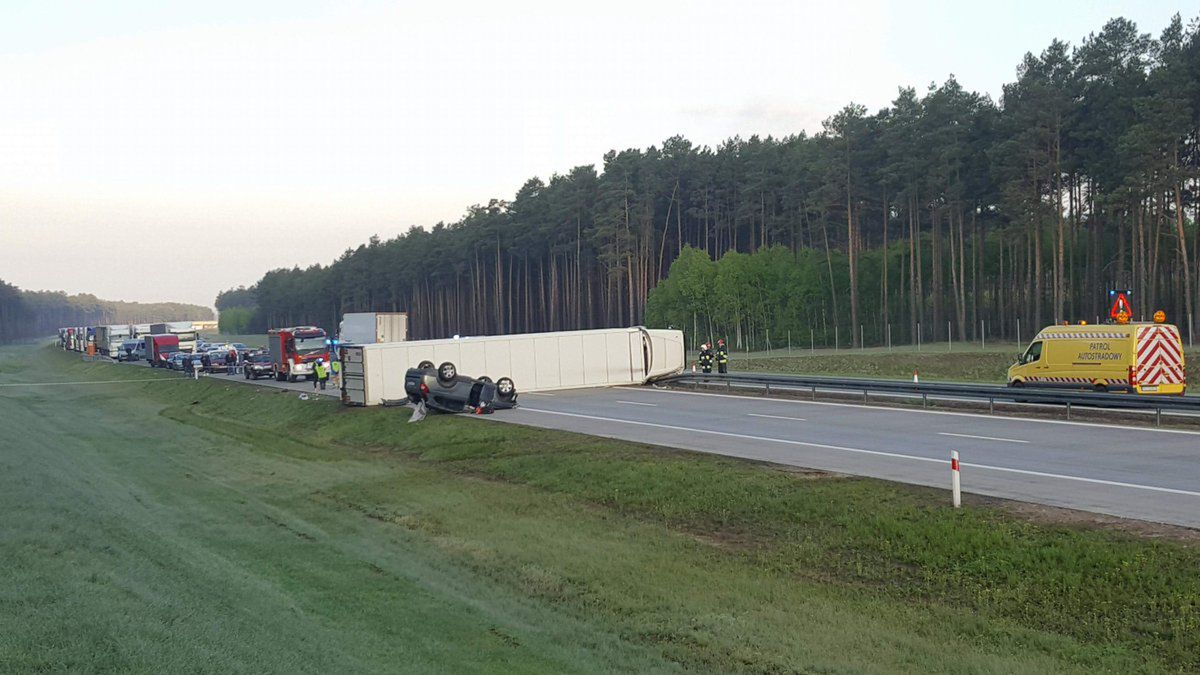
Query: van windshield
{"points": [[1034, 353]]}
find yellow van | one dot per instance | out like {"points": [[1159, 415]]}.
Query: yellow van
{"points": [[1144, 358]]}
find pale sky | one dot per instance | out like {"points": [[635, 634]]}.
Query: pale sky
{"points": [[280, 133]]}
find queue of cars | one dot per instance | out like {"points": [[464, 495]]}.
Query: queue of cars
{"points": [[296, 353], [213, 357]]}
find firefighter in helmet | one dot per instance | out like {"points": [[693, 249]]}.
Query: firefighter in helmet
{"points": [[706, 358], [722, 357]]}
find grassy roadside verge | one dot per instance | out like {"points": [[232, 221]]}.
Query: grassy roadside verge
{"points": [[691, 559]]}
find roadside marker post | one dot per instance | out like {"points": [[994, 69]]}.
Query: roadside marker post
{"points": [[955, 483]]}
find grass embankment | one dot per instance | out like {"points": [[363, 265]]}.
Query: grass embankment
{"points": [[217, 524]]}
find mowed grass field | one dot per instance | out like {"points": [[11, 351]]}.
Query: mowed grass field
{"points": [[215, 526]]}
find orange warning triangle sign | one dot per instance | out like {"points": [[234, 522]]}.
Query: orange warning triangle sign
{"points": [[1121, 304]]}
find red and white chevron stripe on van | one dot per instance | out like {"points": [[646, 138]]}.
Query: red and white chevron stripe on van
{"points": [[1159, 355]]}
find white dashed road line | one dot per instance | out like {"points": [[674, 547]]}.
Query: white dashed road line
{"points": [[778, 417], [982, 438]]}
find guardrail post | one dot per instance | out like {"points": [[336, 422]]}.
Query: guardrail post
{"points": [[864, 396], [1158, 417], [768, 389], [1068, 410], [924, 400], [814, 392], [991, 406]]}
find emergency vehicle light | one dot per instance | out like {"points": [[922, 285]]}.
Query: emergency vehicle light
{"points": [[1160, 316]]}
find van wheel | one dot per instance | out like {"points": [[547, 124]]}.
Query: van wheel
{"points": [[446, 373], [425, 365], [1100, 388], [484, 378]]}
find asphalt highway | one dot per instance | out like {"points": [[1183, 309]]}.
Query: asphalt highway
{"points": [[1143, 473]]}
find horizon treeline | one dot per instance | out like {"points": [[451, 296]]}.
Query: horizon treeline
{"points": [[34, 314], [945, 210]]}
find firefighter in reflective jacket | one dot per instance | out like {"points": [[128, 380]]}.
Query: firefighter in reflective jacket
{"points": [[722, 357], [706, 358]]}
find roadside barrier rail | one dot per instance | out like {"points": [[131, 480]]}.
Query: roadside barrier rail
{"points": [[944, 390]]}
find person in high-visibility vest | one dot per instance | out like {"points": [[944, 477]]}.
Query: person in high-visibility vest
{"points": [[321, 372], [336, 367], [722, 357]]}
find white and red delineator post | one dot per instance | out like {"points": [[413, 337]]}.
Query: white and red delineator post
{"points": [[955, 484]]}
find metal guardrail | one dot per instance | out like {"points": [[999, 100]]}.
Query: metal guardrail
{"points": [[943, 390]]}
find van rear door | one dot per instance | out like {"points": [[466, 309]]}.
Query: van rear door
{"points": [[1159, 360]]}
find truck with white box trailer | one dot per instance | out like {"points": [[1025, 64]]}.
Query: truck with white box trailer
{"points": [[373, 374], [109, 339], [368, 328], [182, 329]]}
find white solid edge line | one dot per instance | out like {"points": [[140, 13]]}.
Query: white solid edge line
{"points": [[883, 408], [778, 417], [536, 393], [649, 405], [982, 438], [880, 453]]}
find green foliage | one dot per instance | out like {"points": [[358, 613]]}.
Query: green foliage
{"points": [[236, 297], [235, 320], [745, 298]]}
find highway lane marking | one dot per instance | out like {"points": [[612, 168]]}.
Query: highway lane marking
{"points": [[536, 393], [879, 453], [879, 408], [649, 405], [1097, 481], [778, 417], [53, 384], [982, 438]]}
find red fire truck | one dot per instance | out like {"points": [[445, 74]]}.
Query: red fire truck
{"points": [[294, 351]]}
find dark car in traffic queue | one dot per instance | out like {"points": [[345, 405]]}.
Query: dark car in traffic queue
{"points": [[256, 365], [215, 361], [174, 361], [444, 390], [189, 361]]}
